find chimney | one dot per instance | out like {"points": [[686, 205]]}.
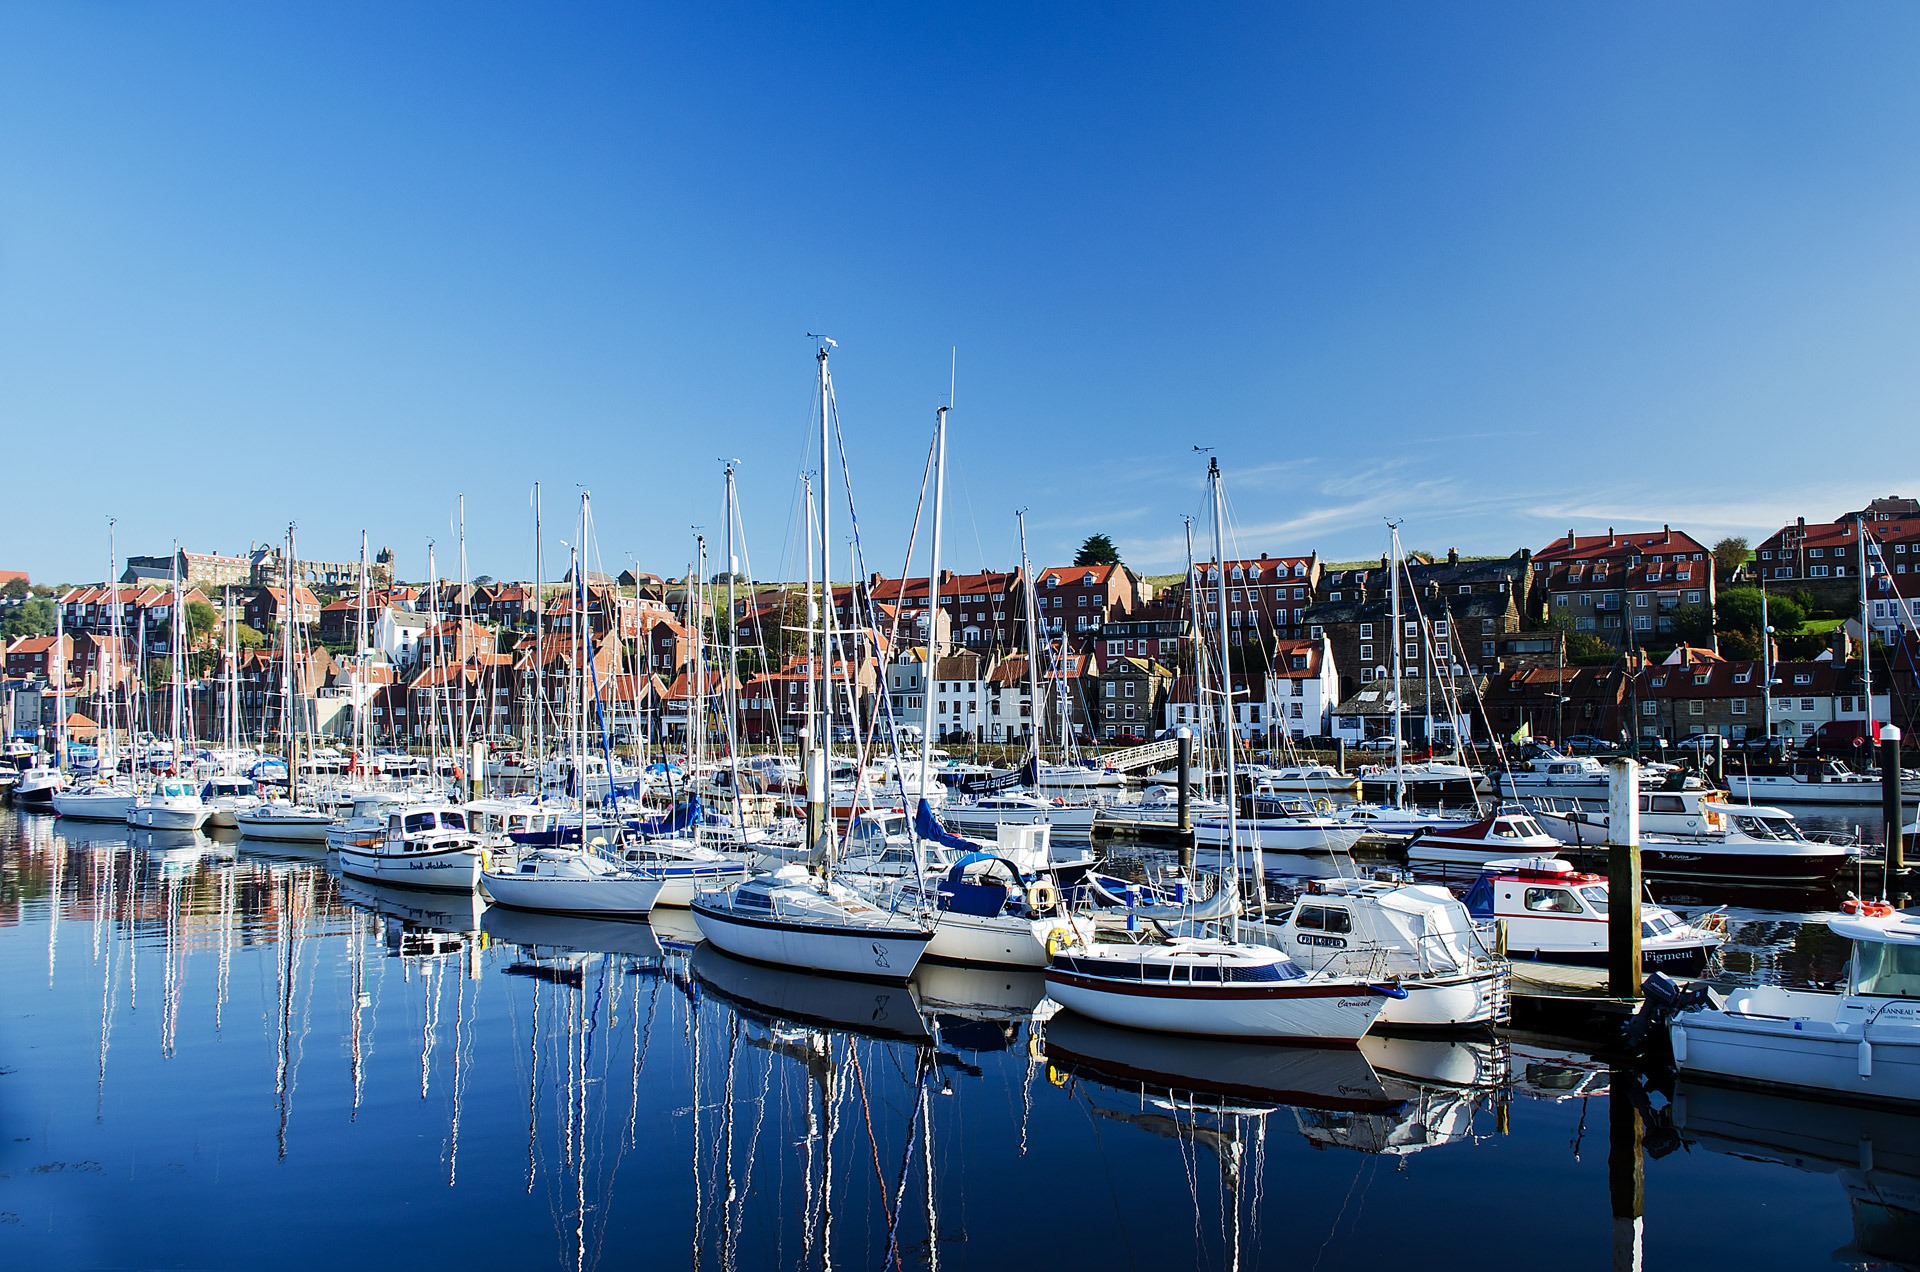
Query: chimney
{"points": [[1453, 556], [946, 577], [1667, 530], [1383, 563], [1611, 541]]}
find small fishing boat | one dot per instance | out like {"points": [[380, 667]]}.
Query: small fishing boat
{"points": [[1556, 923], [1862, 1043]]}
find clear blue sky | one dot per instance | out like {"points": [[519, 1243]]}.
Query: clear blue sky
{"points": [[1497, 270]]}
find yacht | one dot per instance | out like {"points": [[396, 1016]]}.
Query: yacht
{"points": [[283, 822], [227, 795], [1555, 775], [986, 814], [174, 804], [1312, 780], [1507, 833], [1699, 835], [574, 881], [105, 801], [792, 918], [1812, 782], [1862, 1043], [426, 846], [1289, 827], [37, 784], [1421, 781], [1556, 925]]}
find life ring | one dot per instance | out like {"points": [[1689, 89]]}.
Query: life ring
{"points": [[1058, 802], [1042, 895], [1323, 805], [1058, 940]]}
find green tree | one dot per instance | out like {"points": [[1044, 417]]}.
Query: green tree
{"points": [[1097, 550], [249, 637], [15, 589], [1740, 612], [29, 618], [1729, 555], [1739, 646], [1693, 624], [202, 618]]}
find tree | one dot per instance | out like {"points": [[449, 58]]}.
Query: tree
{"points": [[1740, 612], [1739, 646], [1729, 555], [249, 637], [1097, 550], [29, 618], [1693, 624], [15, 589], [483, 580], [1584, 649], [201, 620]]}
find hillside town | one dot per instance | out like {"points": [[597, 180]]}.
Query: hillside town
{"points": [[1636, 637]]}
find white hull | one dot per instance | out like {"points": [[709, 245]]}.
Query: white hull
{"points": [[282, 830], [1277, 836], [602, 897], [1256, 1012], [1001, 940], [1783, 790], [1068, 819], [1882, 1065], [678, 888], [78, 806], [1455, 1002], [877, 952], [455, 869], [163, 817]]}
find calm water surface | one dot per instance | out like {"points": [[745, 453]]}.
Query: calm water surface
{"points": [[212, 1058]]}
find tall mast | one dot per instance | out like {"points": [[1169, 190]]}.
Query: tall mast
{"points": [[820, 760], [1033, 647], [1399, 670], [1866, 628], [539, 662], [362, 717], [933, 594], [1195, 601], [1766, 669], [108, 756], [59, 664], [733, 659], [460, 636], [697, 703], [287, 582], [176, 639], [1226, 697], [437, 662]]}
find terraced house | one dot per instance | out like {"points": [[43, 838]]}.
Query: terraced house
{"points": [[1625, 588]]}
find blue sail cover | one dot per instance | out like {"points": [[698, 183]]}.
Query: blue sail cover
{"points": [[928, 827], [685, 815]]}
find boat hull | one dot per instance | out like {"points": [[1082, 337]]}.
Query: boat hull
{"points": [[446, 869], [586, 898], [1755, 790], [1466, 1001], [871, 952], [1211, 837], [1001, 940], [1291, 1011], [163, 817], [282, 830], [1587, 969], [1884, 1065]]}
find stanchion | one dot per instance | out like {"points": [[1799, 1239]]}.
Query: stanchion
{"points": [[1623, 878]]}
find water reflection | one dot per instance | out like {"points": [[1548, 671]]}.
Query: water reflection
{"points": [[190, 1016]]}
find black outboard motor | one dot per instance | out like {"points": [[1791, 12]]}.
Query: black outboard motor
{"points": [[1661, 1000]]}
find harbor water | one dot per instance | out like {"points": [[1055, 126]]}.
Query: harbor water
{"points": [[213, 1057]]}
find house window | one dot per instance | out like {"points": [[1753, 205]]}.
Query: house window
{"points": [[1366, 633], [1412, 629], [1642, 622], [1412, 652], [1802, 677], [1314, 631], [1366, 651], [1366, 675], [1333, 596], [1440, 629], [1806, 704], [1739, 706], [1649, 708], [1696, 707], [1640, 601]]}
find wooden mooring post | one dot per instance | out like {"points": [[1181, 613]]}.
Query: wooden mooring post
{"points": [[1624, 884]]}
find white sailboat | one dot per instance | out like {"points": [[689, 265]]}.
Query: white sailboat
{"points": [[175, 803], [287, 820], [791, 917]]}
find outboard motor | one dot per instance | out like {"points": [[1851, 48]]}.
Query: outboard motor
{"points": [[1661, 1000]]}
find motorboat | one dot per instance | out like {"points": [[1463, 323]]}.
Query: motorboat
{"points": [[103, 801], [174, 804], [1311, 780], [284, 822], [1556, 925], [1292, 826], [795, 919], [1511, 832], [1078, 778], [576, 881], [1383, 821], [426, 846], [1812, 782], [984, 815], [37, 784], [226, 796], [684, 867], [1158, 806], [1699, 835], [1214, 988], [363, 824], [1421, 781], [1419, 935], [1861, 1043], [1554, 775]]}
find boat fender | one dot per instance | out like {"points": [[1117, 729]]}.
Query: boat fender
{"points": [[1058, 939], [1388, 991], [1059, 802], [1678, 1037], [1866, 1058], [1042, 895]]}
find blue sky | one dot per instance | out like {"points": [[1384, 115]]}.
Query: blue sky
{"points": [[1497, 270]]}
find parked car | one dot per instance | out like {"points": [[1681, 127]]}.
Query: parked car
{"points": [[1706, 743], [1376, 744], [1588, 744]]}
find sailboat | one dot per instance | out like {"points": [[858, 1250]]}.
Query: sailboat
{"points": [[175, 803], [287, 820], [1210, 986], [109, 797], [792, 917]]}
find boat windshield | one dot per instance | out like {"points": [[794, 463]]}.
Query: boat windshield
{"points": [[1884, 969], [1596, 897]]}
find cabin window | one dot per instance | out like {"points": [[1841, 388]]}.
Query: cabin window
{"points": [[1321, 918], [1886, 970], [1551, 901], [1596, 897]]}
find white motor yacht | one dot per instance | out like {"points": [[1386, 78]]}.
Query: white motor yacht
{"points": [[986, 814], [1511, 832], [426, 846], [227, 795], [1862, 1043], [174, 804]]}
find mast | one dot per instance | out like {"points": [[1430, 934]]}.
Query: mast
{"points": [[437, 657], [1195, 593], [1226, 697], [107, 758], [177, 660], [459, 638], [539, 663], [1033, 649], [697, 701], [292, 738], [59, 662], [1766, 670], [933, 594], [363, 722], [1399, 669], [733, 660], [821, 752], [1866, 628]]}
